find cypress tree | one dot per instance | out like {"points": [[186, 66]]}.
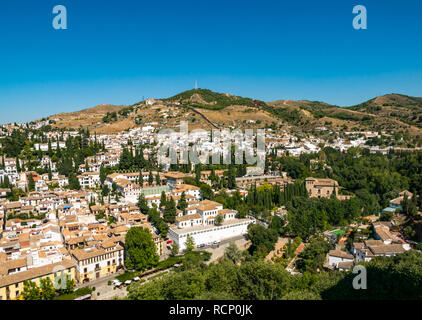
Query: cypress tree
{"points": [[31, 183], [182, 204], [170, 211], [18, 166], [163, 200], [150, 179]]}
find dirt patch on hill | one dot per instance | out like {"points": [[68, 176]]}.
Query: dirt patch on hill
{"points": [[90, 112], [236, 115], [196, 98], [115, 127]]}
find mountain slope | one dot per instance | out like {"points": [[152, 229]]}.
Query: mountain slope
{"points": [[207, 99], [309, 114], [203, 108], [93, 118], [401, 107]]}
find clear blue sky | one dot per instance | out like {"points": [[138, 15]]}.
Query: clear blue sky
{"points": [[119, 51]]}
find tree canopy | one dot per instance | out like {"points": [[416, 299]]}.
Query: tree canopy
{"points": [[141, 250]]}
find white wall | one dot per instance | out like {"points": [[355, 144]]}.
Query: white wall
{"points": [[209, 235]]}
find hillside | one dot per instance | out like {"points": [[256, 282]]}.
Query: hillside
{"points": [[309, 114], [92, 118], [207, 99], [403, 108], [203, 108]]}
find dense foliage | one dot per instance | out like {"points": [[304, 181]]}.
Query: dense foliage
{"points": [[398, 277], [141, 252]]}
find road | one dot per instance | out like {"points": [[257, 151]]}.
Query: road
{"points": [[218, 253], [108, 292]]}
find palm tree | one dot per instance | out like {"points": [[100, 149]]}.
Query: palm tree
{"points": [[233, 253]]}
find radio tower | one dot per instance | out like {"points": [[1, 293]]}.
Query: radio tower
{"points": [[196, 84]]}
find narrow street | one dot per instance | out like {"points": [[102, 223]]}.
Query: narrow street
{"points": [[291, 266]]}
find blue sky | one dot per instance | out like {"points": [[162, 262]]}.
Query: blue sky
{"points": [[121, 51]]}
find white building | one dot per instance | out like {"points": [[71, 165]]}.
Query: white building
{"points": [[89, 179], [337, 256], [188, 189], [201, 226], [10, 166]]}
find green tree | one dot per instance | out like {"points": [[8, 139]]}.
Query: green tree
{"points": [[141, 179], [233, 253], [31, 183], [262, 239], [50, 174], [70, 285], [105, 191], [409, 206], [114, 187], [219, 220], [312, 258], [386, 216], [47, 289], [163, 200], [142, 204], [141, 250], [50, 150], [125, 162], [155, 218], [182, 204], [31, 291], [103, 174], [231, 177], [198, 174], [190, 243], [18, 166], [74, 182], [150, 179], [207, 192], [174, 249], [170, 211]]}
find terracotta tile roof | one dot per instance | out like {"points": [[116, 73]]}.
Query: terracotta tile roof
{"points": [[82, 254], [340, 254], [346, 265], [372, 242], [189, 217], [387, 249], [36, 272], [13, 264]]}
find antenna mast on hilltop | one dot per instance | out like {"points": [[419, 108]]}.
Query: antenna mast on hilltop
{"points": [[196, 84]]}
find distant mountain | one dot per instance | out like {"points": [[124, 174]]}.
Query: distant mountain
{"points": [[93, 118], [389, 112], [94, 111], [403, 108], [204, 108], [207, 99]]}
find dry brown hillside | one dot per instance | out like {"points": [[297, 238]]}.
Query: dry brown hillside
{"points": [[203, 108], [91, 118]]}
